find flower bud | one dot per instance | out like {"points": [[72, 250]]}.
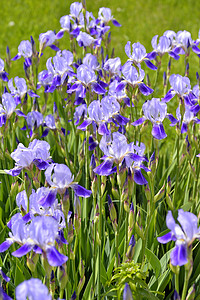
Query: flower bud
{"points": [[131, 248], [81, 269], [115, 193], [62, 276], [127, 294], [80, 285]]}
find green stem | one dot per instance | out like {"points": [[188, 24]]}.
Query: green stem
{"points": [[177, 282], [177, 170]]}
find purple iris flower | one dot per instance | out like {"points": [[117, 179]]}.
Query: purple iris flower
{"points": [[6, 108], [134, 77], [184, 42], [86, 77], [19, 232], [49, 122], [188, 117], [37, 153], [164, 46], [80, 113], [4, 276], [180, 86], [113, 66], [121, 95], [183, 235], [3, 74], [104, 112], [45, 79], [75, 9], [47, 39], [116, 150], [25, 50], [105, 16], [192, 99], [34, 119], [32, 289], [58, 70], [91, 61], [38, 233], [85, 39], [60, 177], [136, 165], [154, 111], [139, 54], [20, 89]]}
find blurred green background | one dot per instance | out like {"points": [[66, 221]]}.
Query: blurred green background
{"points": [[140, 20]]}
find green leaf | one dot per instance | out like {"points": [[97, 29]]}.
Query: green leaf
{"points": [[154, 261], [86, 295]]}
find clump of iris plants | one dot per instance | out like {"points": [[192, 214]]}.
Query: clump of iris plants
{"points": [[99, 164]]}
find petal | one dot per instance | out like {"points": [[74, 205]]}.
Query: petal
{"points": [[150, 65], [145, 90], [120, 87], [98, 89], [158, 131], [14, 172], [168, 96], [22, 250], [41, 164], [179, 255], [84, 125], [139, 121], [80, 191], [196, 49], [165, 238], [174, 55], [184, 128], [55, 258], [139, 178], [115, 23], [105, 168], [5, 245]]}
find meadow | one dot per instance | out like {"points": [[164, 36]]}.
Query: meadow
{"points": [[99, 157]]}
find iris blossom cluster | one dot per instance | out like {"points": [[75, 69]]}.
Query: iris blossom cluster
{"points": [[117, 150]]}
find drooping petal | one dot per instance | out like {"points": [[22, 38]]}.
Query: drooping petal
{"points": [[80, 191], [115, 23], [150, 65], [84, 125], [139, 178], [165, 238], [158, 131], [14, 172], [145, 90], [170, 94], [23, 250], [174, 55], [105, 168], [55, 258], [5, 245], [179, 254], [139, 121]]}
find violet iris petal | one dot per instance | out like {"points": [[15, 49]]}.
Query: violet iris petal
{"points": [[55, 258], [23, 250], [5, 245], [80, 191], [179, 255], [158, 131]]}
